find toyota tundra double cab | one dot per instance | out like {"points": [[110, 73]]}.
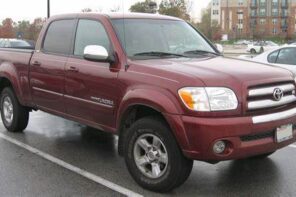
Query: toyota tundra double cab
{"points": [[158, 84]]}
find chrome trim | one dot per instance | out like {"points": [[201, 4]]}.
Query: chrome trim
{"points": [[274, 117], [47, 91], [88, 101], [271, 103], [269, 90], [95, 52]]}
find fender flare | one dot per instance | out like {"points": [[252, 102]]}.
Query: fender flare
{"points": [[159, 100], [8, 72]]}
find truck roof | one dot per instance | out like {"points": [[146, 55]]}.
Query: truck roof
{"points": [[128, 15]]}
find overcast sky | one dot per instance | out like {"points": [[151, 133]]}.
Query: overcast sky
{"points": [[30, 9]]}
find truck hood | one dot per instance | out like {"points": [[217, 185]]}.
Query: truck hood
{"points": [[220, 71]]}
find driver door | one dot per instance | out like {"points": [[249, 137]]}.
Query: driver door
{"points": [[90, 87]]}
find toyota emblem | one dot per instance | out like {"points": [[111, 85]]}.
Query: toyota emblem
{"points": [[278, 94]]}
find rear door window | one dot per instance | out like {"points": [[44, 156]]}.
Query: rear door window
{"points": [[287, 56], [59, 37]]}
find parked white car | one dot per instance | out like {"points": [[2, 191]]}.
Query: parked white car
{"points": [[243, 42], [284, 56], [16, 43], [260, 47]]}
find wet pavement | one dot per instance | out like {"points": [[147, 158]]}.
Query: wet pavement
{"points": [[23, 173]]}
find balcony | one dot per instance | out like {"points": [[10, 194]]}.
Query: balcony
{"points": [[284, 27], [262, 4], [284, 5], [262, 14], [253, 14], [284, 15]]}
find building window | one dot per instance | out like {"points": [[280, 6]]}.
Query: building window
{"points": [[274, 21], [262, 12], [253, 13], [215, 12], [284, 12], [253, 23], [262, 3], [262, 21], [274, 31], [215, 2], [240, 2], [275, 12], [275, 3]]}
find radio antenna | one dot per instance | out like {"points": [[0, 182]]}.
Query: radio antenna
{"points": [[124, 34]]}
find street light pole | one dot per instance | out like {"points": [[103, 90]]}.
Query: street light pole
{"points": [[48, 8]]}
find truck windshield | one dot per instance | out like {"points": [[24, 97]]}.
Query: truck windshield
{"points": [[152, 38]]}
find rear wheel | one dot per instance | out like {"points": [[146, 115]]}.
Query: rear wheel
{"points": [[153, 157], [14, 116]]}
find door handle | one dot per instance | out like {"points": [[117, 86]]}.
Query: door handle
{"points": [[36, 63], [73, 69]]}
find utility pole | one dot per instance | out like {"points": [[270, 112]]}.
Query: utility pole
{"points": [[48, 8]]}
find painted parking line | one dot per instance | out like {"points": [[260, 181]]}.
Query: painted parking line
{"points": [[72, 168], [293, 146]]}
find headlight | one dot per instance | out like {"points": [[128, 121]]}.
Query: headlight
{"points": [[208, 99]]}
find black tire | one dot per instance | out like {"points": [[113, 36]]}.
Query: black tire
{"points": [[178, 167], [253, 51], [20, 117], [263, 156]]}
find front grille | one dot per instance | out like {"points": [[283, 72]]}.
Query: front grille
{"points": [[248, 138], [261, 98]]}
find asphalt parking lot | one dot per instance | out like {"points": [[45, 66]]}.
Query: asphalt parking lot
{"points": [[57, 157]]}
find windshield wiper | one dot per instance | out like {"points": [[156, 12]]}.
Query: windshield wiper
{"points": [[159, 54], [201, 52]]}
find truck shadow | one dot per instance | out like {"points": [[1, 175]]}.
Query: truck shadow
{"points": [[250, 177]]}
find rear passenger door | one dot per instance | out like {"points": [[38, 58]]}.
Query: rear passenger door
{"points": [[91, 88], [47, 75]]}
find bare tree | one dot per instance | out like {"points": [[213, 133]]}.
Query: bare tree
{"points": [[86, 10]]}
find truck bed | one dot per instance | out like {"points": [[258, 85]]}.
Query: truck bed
{"points": [[17, 61]]}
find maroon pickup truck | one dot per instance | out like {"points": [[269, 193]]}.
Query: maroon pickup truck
{"points": [[157, 83]]}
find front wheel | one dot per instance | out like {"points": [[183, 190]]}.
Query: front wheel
{"points": [[153, 157], [14, 116]]}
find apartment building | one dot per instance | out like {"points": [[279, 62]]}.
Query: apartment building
{"points": [[256, 18], [216, 10]]}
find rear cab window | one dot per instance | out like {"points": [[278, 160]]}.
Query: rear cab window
{"points": [[59, 37]]}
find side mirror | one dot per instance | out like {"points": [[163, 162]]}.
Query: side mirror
{"points": [[96, 53], [220, 48]]}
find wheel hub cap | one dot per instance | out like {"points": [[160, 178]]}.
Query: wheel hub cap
{"points": [[7, 110], [150, 156]]}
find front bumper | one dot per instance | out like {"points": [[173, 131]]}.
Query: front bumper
{"points": [[246, 137]]}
